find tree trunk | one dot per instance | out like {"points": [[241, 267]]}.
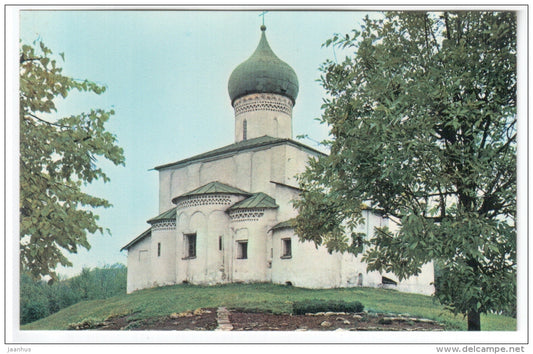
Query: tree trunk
{"points": [[474, 321]]}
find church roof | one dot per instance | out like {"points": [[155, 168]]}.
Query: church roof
{"points": [[258, 200], [263, 72], [288, 224], [212, 188], [240, 146], [167, 215], [137, 239]]}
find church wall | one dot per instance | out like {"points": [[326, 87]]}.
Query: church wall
{"points": [[253, 231], [182, 228], [163, 260], [296, 162], [284, 196], [422, 283], [208, 223], [165, 177], [251, 171], [261, 170], [307, 266], [217, 230], [224, 171], [240, 268], [278, 161], [242, 176], [316, 268], [169, 180], [191, 269], [139, 266], [191, 181], [354, 269], [286, 165]]}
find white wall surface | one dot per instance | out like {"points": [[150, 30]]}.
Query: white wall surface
{"points": [[139, 266]]}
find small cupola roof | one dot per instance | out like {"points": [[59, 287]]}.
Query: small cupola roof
{"points": [[263, 72], [257, 200]]}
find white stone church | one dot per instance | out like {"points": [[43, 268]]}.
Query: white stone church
{"points": [[225, 215]]}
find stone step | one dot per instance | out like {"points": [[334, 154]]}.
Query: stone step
{"points": [[224, 324]]}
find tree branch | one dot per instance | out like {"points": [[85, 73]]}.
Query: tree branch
{"points": [[23, 59], [46, 122], [485, 135], [506, 145], [446, 21]]}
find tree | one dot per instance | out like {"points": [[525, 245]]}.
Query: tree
{"points": [[422, 121], [57, 158], [39, 299], [34, 302]]}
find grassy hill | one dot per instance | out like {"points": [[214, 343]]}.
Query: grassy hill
{"points": [[159, 302]]}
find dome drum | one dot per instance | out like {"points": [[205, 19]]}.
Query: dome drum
{"points": [[263, 102]]}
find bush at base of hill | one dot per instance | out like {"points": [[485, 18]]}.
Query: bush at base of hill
{"points": [[314, 306]]}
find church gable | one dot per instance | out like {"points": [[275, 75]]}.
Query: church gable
{"points": [[142, 236], [239, 147]]}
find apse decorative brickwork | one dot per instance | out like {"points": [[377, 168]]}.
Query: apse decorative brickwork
{"points": [[208, 199], [164, 225], [246, 214]]}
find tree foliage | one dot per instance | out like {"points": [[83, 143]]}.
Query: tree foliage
{"points": [[423, 124], [57, 157], [39, 299]]}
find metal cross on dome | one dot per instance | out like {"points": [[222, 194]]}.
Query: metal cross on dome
{"points": [[263, 14]]}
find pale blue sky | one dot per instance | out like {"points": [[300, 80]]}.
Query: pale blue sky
{"points": [[166, 74]]}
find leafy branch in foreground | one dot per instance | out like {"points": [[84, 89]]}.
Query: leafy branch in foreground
{"points": [[423, 125], [57, 157]]}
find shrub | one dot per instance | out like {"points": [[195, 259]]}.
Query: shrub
{"points": [[33, 308], [39, 299], [314, 306], [33, 300]]}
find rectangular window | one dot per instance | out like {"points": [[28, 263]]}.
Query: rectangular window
{"points": [[242, 249], [159, 249], [220, 243], [286, 251], [190, 245]]}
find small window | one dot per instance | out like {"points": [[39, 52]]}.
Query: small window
{"points": [[159, 249], [190, 245], [244, 129], [242, 249], [220, 243], [388, 281], [286, 251]]}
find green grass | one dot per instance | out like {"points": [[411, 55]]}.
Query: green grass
{"points": [[158, 302]]}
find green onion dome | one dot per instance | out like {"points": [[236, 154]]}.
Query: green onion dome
{"points": [[263, 72]]}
